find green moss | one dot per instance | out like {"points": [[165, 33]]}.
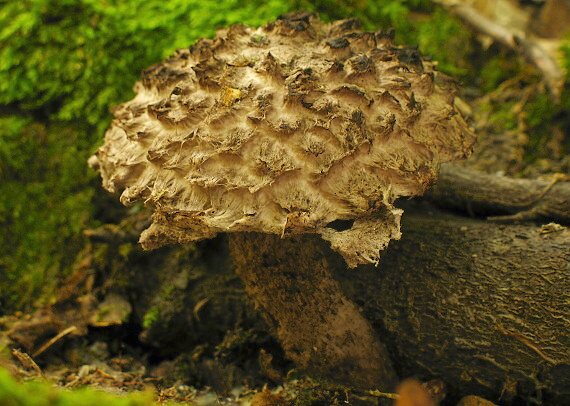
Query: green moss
{"points": [[494, 71], [543, 113], [504, 117], [71, 60], [539, 110], [565, 51], [45, 202], [126, 250], [443, 37], [151, 317], [310, 392], [305, 399], [13, 393]]}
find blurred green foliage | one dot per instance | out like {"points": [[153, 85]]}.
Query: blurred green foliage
{"points": [[32, 393], [498, 68], [538, 115], [565, 49]]}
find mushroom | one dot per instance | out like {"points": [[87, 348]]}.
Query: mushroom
{"points": [[296, 127]]}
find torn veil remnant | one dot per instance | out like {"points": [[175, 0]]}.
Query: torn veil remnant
{"points": [[295, 127]]}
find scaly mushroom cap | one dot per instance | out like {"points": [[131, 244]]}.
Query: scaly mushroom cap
{"points": [[295, 127]]}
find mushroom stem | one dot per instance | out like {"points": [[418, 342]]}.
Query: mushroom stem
{"points": [[320, 329]]}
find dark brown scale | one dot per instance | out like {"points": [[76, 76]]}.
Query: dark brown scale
{"points": [[161, 76], [362, 64], [301, 15], [297, 25], [132, 129], [338, 43], [182, 53], [207, 73], [352, 91], [411, 57], [156, 156], [238, 31], [202, 49], [345, 26], [336, 68], [357, 117], [362, 42], [390, 99], [300, 83], [413, 103], [361, 70], [385, 38], [269, 66], [381, 55]]}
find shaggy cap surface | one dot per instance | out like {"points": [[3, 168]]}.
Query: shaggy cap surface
{"points": [[294, 127]]}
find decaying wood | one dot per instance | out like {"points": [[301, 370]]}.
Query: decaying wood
{"points": [[481, 305], [533, 52], [502, 198]]}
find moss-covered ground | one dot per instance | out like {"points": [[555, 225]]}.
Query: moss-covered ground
{"points": [[40, 393]]}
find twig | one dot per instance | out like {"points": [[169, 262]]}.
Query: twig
{"points": [[199, 307], [502, 198], [528, 343], [534, 212], [526, 215], [54, 340], [131, 383], [105, 374], [532, 52], [26, 361], [379, 394]]}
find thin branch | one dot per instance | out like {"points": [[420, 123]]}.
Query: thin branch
{"points": [[27, 362], [529, 49], [500, 197], [54, 340]]}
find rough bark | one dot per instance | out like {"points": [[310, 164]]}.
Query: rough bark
{"points": [[481, 305], [322, 331]]}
